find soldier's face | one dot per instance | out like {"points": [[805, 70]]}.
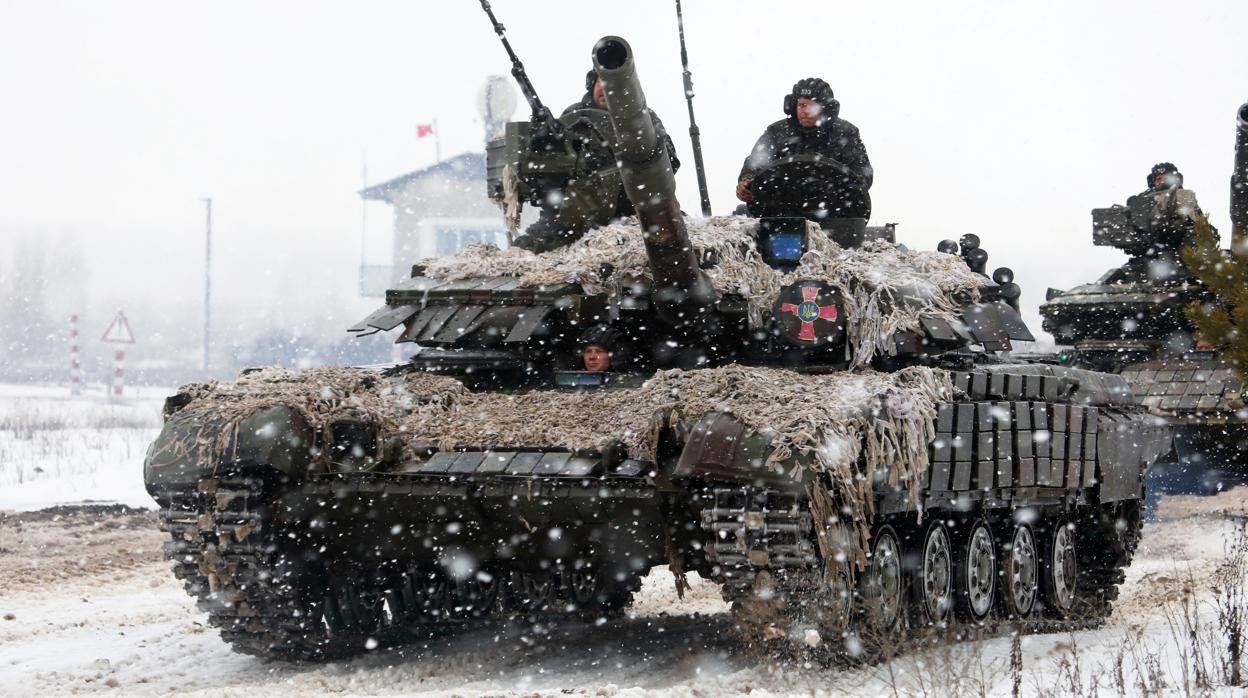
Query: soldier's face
{"points": [[600, 97], [809, 112], [596, 358]]}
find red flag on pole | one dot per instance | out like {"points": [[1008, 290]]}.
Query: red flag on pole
{"points": [[423, 130]]}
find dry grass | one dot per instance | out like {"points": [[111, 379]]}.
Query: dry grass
{"points": [[45, 439], [1200, 653]]}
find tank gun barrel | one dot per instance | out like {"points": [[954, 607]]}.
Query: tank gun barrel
{"points": [[682, 292], [1239, 182]]}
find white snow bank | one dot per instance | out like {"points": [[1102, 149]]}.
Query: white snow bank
{"points": [[58, 449], [141, 635]]}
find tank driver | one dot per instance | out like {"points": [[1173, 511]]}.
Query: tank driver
{"points": [[605, 348]]}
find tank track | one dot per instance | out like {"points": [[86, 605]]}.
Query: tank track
{"points": [[766, 560], [262, 586], [225, 549]]}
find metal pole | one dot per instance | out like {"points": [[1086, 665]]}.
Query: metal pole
{"points": [[119, 372], [75, 365], [207, 282], [437, 142], [695, 134]]}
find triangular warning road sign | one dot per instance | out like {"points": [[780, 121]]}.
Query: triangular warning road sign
{"points": [[119, 332]]}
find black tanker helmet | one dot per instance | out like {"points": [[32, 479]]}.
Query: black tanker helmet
{"points": [[816, 89], [610, 339], [1164, 168]]}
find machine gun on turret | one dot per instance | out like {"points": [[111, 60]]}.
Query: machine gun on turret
{"points": [[541, 115], [562, 165]]}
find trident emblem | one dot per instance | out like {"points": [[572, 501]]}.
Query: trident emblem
{"points": [[808, 311]]}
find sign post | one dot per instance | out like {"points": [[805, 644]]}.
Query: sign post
{"points": [[119, 333], [75, 365]]}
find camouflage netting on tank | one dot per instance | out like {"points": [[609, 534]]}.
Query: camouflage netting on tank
{"points": [[886, 287], [843, 426], [210, 420]]}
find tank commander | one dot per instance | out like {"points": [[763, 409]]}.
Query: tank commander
{"points": [[1165, 183], [551, 230], [596, 98], [812, 126], [1165, 208]]}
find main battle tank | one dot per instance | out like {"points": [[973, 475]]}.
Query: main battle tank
{"points": [[1132, 321], [830, 433]]}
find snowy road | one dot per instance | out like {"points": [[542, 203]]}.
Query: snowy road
{"points": [[88, 605]]}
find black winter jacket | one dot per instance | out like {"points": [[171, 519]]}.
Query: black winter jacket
{"points": [[838, 140]]}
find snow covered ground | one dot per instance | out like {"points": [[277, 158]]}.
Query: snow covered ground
{"points": [[87, 604], [55, 448]]}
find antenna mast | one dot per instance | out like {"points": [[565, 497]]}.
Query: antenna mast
{"points": [[695, 135]]}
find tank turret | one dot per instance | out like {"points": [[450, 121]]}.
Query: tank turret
{"points": [[730, 293]]}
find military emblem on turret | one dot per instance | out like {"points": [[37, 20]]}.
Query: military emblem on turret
{"points": [[807, 313]]}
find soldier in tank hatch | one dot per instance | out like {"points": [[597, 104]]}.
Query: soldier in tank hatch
{"points": [[550, 231], [596, 358], [595, 98], [604, 348], [1166, 208], [812, 126], [1164, 176]]}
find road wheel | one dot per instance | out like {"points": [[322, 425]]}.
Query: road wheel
{"points": [[935, 580], [531, 592], [883, 587], [1020, 573], [1060, 572], [975, 573], [581, 585]]}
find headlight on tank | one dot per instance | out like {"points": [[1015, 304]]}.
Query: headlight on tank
{"points": [[810, 314]]}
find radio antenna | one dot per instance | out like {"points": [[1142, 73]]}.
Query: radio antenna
{"points": [[694, 134]]}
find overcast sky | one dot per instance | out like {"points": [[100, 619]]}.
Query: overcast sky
{"points": [[1009, 120]]}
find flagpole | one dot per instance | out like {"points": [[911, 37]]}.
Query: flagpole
{"points": [[437, 142], [363, 207], [207, 283]]}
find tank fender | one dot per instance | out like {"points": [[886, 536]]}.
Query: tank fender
{"points": [[276, 437], [721, 447]]}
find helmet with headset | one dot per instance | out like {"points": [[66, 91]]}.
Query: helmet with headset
{"points": [[816, 89], [1173, 178]]}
